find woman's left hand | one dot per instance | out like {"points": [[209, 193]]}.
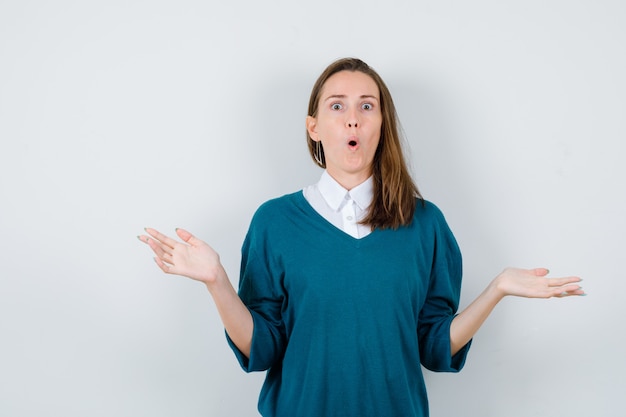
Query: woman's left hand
{"points": [[534, 283]]}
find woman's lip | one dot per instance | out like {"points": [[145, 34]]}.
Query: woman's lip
{"points": [[353, 142]]}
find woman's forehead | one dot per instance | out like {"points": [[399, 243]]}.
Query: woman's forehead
{"points": [[344, 83]]}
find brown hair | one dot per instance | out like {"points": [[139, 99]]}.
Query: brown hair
{"points": [[395, 193]]}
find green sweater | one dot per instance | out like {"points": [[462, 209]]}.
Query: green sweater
{"points": [[342, 324]]}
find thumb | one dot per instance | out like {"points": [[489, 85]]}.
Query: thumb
{"points": [[540, 272], [185, 235]]}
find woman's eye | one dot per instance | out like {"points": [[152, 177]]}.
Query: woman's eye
{"points": [[367, 106], [336, 106]]}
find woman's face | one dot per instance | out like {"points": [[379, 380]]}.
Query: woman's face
{"points": [[348, 124]]}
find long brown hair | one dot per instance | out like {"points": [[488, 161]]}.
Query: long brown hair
{"points": [[395, 193]]}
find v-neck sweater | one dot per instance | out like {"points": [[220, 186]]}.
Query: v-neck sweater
{"points": [[342, 324]]}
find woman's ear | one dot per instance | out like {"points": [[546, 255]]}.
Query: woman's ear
{"points": [[311, 127]]}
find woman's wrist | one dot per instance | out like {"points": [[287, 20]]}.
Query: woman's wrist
{"points": [[496, 290], [216, 279]]}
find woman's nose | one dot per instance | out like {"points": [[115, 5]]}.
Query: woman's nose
{"points": [[352, 120]]}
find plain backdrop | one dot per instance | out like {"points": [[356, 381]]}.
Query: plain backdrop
{"points": [[117, 115]]}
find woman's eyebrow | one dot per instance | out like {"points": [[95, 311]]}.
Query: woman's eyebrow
{"points": [[343, 96]]}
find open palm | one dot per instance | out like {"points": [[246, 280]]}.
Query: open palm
{"points": [[191, 258]]}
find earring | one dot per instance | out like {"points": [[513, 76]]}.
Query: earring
{"points": [[318, 154]]}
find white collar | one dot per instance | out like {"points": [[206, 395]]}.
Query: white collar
{"points": [[335, 195]]}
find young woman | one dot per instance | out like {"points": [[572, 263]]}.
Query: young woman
{"points": [[348, 285]]}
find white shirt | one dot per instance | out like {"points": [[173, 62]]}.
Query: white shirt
{"points": [[342, 208]]}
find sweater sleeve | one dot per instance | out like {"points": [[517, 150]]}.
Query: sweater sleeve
{"points": [[441, 304], [261, 291]]}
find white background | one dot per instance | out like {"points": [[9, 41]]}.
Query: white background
{"points": [[118, 115]]}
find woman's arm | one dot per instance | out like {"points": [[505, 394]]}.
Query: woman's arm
{"points": [[531, 283], [197, 260]]}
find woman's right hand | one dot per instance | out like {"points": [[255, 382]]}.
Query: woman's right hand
{"points": [[191, 258]]}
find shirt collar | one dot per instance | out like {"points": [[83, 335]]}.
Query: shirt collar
{"points": [[335, 195]]}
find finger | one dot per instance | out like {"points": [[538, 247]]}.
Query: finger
{"points": [[168, 258], [164, 266], [576, 293], [147, 239], [559, 282], [168, 241], [159, 249], [569, 291], [572, 288]]}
